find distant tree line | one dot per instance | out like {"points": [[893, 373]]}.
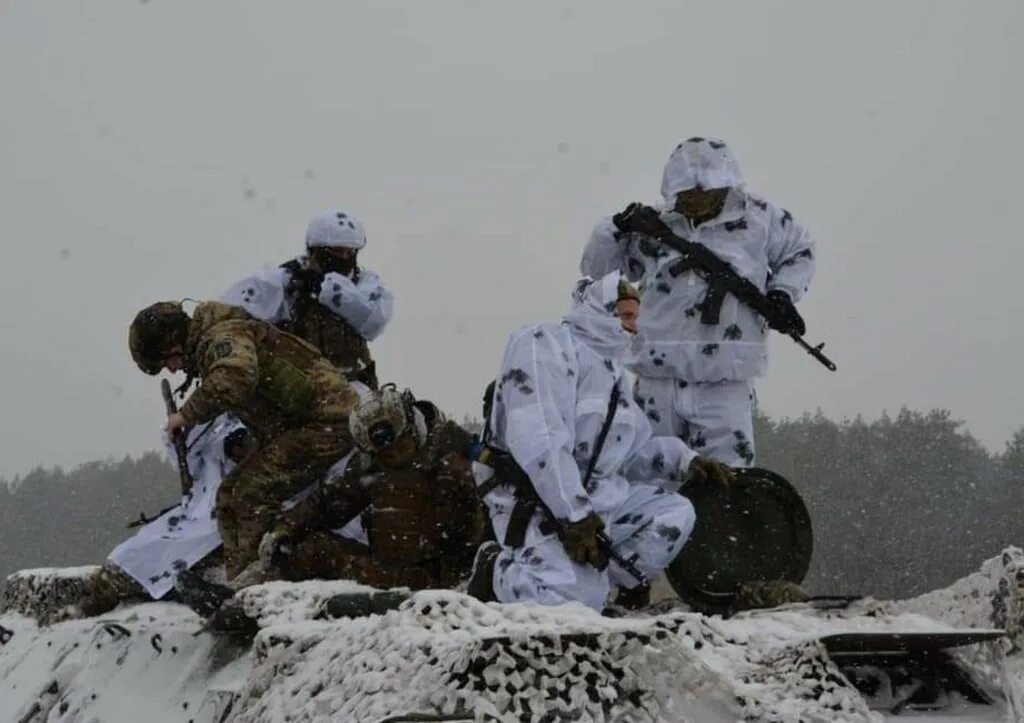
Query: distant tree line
{"points": [[52, 518], [900, 505]]}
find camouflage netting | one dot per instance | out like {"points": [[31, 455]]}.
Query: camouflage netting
{"points": [[48, 595], [992, 597], [443, 655], [445, 652]]}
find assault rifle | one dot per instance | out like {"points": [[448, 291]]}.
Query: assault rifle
{"points": [[180, 451], [720, 276], [508, 471]]}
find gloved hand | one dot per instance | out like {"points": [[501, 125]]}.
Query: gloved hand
{"points": [[786, 318], [306, 280], [273, 543], [705, 469], [239, 444], [581, 542], [638, 218], [768, 594]]}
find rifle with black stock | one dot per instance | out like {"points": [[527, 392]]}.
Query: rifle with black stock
{"points": [[507, 471], [178, 439], [721, 277]]}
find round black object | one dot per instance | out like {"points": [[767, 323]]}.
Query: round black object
{"points": [[381, 435], [757, 528]]}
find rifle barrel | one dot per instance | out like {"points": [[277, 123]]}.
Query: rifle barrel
{"points": [[627, 565], [815, 351], [178, 440], [740, 286]]}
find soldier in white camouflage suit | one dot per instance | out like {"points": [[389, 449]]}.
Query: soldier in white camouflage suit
{"points": [[557, 386], [696, 358], [325, 296]]}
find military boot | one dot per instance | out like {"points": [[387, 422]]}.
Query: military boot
{"points": [[204, 597], [634, 598], [481, 579], [231, 619]]}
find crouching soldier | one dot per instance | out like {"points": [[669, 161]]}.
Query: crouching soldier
{"points": [[294, 402], [410, 487], [595, 483]]}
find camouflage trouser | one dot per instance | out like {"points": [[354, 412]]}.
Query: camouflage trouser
{"points": [[108, 587], [714, 419], [648, 527], [326, 556], [249, 499]]}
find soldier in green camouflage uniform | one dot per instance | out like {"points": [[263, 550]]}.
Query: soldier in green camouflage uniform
{"points": [[292, 399], [413, 489]]}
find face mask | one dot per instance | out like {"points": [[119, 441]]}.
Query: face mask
{"points": [[329, 262], [399, 453]]}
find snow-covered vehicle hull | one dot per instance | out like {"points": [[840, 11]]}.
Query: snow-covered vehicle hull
{"points": [[442, 655]]}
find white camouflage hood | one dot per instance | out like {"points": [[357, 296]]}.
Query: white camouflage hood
{"points": [[593, 316], [703, 162]]}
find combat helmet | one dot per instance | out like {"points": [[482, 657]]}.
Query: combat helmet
{"points": [[154, 330], [383, 417]]}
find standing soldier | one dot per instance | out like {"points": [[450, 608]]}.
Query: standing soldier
{"points": [[325, 297], [696, 352], [291, 398]]}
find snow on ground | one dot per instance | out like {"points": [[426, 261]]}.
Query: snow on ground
{"points": [[444, 653]]}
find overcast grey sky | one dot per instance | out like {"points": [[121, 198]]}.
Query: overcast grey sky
{"points": [[153, 150]]}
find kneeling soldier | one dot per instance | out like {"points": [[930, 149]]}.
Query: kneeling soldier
{"points": [[412, 490]]}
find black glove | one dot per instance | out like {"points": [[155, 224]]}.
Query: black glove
{"points": [[306, 281], [238, 445], [273, 545], [705, 469], [581, 542], [638, 218], [786, 318]]}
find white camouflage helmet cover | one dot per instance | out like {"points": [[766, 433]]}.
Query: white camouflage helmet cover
{"points": [[335, 229], [383, 416], [703, 162]]}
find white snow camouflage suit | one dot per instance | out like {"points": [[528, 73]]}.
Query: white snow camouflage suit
{"points": [[550, 403], [694, 379], [366, 304], [362, 301], [185, 534]]}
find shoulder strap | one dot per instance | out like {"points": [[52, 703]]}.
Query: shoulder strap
{"points": [[613, 404], [488, 407]]}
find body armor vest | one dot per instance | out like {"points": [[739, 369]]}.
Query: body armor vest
{"points": [[333, 336]]}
